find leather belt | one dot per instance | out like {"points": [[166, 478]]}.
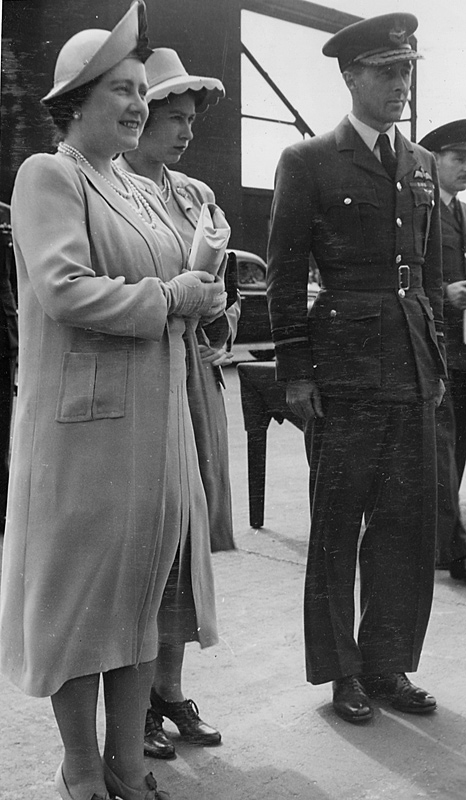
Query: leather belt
{"points": [[405, 279]]}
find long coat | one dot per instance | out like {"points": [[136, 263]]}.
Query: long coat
{"points": [[87, 553], [334, 199], [454, 269], [205, 385]]}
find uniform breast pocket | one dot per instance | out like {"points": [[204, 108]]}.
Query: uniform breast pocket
{"points": [[92, 386], [350, 211], [346, 343], [423, 197]]}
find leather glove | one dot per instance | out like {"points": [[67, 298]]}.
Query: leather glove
{"points": [[193, 293]]}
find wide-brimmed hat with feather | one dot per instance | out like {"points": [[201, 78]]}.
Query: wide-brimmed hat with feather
{"points": [[94, 51]]}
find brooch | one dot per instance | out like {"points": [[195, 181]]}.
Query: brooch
{"points": [[180, 190]]}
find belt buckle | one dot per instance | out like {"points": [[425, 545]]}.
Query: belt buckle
{"points": [[404, 279]]}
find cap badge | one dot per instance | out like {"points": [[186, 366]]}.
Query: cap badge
{"points": [[398, 36]]}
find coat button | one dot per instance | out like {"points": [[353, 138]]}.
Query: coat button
{"points": [[347, 201], [399, 222], [399, 186], [401, 293], [398, 259], [333, 313]]}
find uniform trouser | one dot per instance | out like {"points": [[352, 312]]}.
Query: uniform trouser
{"points": [[458, 396], [378, 461], [451, 535]]}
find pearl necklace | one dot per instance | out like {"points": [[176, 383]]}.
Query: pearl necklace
{"points": [[132, 190]]}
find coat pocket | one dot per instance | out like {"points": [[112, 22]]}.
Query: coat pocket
{"points": [[345, 338], [92, 386], [350, 212]]}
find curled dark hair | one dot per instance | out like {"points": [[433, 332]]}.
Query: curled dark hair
{"points": [[62, 108]]}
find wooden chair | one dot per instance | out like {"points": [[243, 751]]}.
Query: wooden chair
{"points": [[262, 399]]}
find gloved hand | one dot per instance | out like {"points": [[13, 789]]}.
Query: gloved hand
{"points": [[194, 293], [220, 357]]}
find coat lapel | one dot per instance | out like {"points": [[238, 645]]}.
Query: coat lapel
{"points": [[407, 161], [182, 197], [124, 208], [448, 219], [347, 138]]}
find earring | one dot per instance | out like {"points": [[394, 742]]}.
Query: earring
{"points": [[76, 115]]}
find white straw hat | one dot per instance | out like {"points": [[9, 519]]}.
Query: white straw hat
{"points": [[92, 52], [166, 75]]}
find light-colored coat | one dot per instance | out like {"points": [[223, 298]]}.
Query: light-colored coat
{"points": [[205, 382], [85, 559]]}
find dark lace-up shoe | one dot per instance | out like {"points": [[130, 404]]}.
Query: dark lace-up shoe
{"points": [[350, 701], [458, 569], [185, 715], [396, 689], [156, 742]]}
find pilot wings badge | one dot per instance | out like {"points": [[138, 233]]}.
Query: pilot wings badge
{"points": [[398, 36]]}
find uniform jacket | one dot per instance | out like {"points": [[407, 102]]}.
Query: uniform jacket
{"points": [[85, 555], [333, 199], [454, 269]]}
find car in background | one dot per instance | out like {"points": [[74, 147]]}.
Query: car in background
{"points": [[254, 337]]}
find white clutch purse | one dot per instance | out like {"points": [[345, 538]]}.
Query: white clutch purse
{"points": [[210, 239]]}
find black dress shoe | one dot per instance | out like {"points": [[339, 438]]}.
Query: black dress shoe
{"points": [[350, 701], [185, 715], [398, 690], [458, 569], [156, 742]]}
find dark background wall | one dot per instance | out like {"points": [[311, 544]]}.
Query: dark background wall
{"points": [[206, 33]]}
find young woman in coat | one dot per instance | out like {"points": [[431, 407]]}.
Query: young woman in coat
{"points": [[174, 99], [105, 486]]}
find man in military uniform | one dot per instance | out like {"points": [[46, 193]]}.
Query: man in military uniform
{"points": [[448, 143], [365, 370]]}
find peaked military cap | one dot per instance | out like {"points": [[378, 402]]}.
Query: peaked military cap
{"points": [[374, 42], [451, 136]]}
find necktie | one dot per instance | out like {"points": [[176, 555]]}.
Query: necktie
{"points": [[387, 156], [455, 209]]}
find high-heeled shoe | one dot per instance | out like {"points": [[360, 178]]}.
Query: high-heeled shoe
{"points": [[64, 792], [117, 788]]}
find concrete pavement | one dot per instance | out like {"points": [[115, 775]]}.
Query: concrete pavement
{"points": [[280, 737]]}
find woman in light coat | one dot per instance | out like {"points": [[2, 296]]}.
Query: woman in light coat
{"points": [[174, 99], [105, 486]]}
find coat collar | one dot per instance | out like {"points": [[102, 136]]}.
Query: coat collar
{"points": [[149, 190], [347, 138], [181, 196], [449, 219]]}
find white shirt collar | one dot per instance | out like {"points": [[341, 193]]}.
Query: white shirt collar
{"points": [[446, 196], [370, 135]]}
